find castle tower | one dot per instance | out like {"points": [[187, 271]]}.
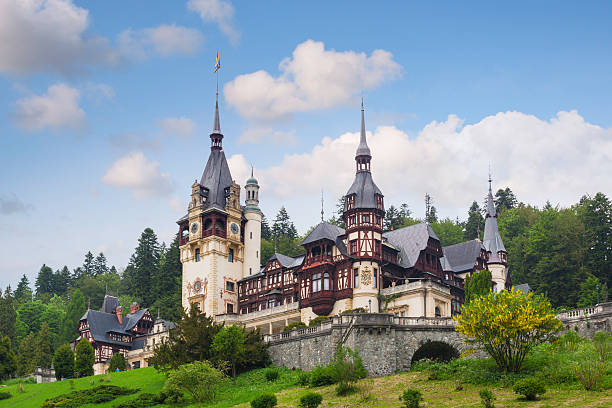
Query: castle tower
{"points": [[252, 228], [211, 237], [363, 216], [496, 252]]}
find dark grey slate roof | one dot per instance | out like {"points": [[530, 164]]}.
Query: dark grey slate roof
{"points": [[492, 240], [524, 287], [365, 190], [109, 304], [287, 261], [216, 178], [101, 324], [324, 230], [462, 257], [410, 241]]}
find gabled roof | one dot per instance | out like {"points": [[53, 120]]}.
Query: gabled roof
{"points": [[462, 257], [524, 287], [410, 241], [216, 178], [287, 261], [101, 324], [324, 230]]}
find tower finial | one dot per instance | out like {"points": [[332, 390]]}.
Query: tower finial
{"points": [[363, 155], [490, 179], [252, 170], [322, 211]]}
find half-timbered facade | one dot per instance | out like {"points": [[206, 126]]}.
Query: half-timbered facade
{"points": [[110, 332]]}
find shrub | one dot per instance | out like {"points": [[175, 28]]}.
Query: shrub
{"points": [[199, 379], [171, 395], [487, 398], [411, 398], [320, 376], [264, 401], [294, 325], [603, 345], [303, 379], [272, 374], [310, 400], [318, 320], [99, 394], [143, 400], [508, 325], [590, 373], [365, 389], [570, 341], [5, 395], [529, 387], [117, 362], [344, 388]]}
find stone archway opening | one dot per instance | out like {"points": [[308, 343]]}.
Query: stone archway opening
{"points": [[437, 351]]}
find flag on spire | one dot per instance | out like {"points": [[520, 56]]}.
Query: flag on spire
{"points": [[217, 62]]}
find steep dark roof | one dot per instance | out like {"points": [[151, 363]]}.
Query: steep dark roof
{"points": [[101, 324], [110, 304], [410, 241], [324, 230], [287, 261], [524, 287], [216, 178], [362, 149], [365, 190], [492, 240], [462, 257]]}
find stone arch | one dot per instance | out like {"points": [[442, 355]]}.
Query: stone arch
{"points": [[435, 350]]}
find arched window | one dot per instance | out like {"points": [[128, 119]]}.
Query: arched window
{"points": [[326, 281], [197, 255], [438, 314], [316, 282]]}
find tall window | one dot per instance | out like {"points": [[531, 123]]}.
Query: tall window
{"points": [[230, 308], [197, 254], [356, 277], [316, 282], [230, 255], [326, 281], [365, 218], [229, 286], [375, 276], [354, 246]]}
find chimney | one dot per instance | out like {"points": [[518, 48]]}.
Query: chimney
{"points": [[134, 307], [119, 313]]}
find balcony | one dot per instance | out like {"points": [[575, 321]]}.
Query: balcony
{"points": [[286, 308]]}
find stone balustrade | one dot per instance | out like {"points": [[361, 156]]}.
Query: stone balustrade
{"points": [[576, 314]]}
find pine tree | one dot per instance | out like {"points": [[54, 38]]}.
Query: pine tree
{"points": [[479, 284], [266, 232], [44, 347], [61, 281], [63, 362], [475, 222], [505, 199], [339, 218], [88, 264], [84, 359], [393, 219], [167, 282], [75, 309], [99, 265], [26, 356], [8, 360], [113, 270], [283, 226], [23, 293], [145, 264], [8, 314], [44, 281]]}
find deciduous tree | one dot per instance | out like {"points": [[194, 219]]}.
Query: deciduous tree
{"points": [[229, 345], [8, 360], [477, 285]]}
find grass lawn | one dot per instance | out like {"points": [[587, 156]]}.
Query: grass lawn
{"points": [[385, 392]]}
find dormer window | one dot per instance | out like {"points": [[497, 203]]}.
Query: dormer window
{"points": [[379, 202], [350, 202]]}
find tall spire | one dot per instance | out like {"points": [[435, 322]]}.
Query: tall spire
{"points": [[322, 211], [363, 155], [490, 203], [216, 137]]}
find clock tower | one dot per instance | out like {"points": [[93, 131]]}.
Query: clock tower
{"points": [[211, 236]]}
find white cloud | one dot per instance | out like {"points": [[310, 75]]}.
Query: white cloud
{"points": [[558, 160], [41, 35], [13, 205], [257, 134], [165, 40], [140, 175], [180, 126], [313, 78], [217, 11], [57, 109]]}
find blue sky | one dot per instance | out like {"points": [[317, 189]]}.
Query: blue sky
{"points": [[107, 107]]}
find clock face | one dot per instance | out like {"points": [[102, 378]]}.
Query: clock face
{"points": [[234, 227], [194, 227]]}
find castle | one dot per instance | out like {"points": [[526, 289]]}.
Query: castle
{"points": [[405, 271]]}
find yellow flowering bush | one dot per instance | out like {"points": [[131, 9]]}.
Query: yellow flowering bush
{"points": [[508, 324]]}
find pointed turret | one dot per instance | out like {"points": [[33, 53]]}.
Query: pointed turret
{"points": [[492, 240], [363, 150], [490, 203], [216, 137]]}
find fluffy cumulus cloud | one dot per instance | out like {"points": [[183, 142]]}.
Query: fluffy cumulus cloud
{"points": [[57, 109], [220, 12], [558, 159], [182, 126], [48, 35], [164, 40], [312, 78], [139, 175]]}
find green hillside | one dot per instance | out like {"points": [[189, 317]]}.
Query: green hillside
{"points": [[384, 391]]}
